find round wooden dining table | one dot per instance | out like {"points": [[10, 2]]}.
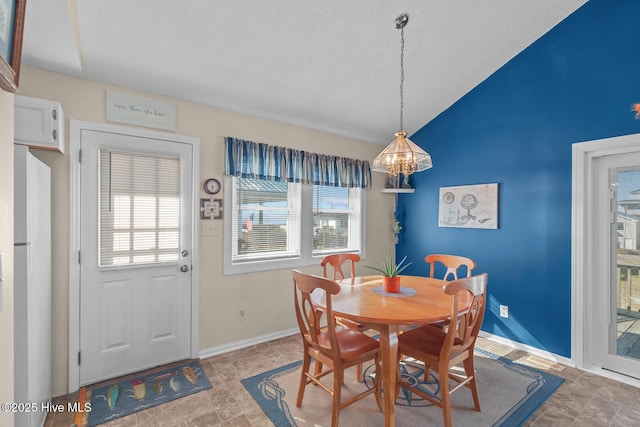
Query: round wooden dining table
{"points": [[420, 301]]}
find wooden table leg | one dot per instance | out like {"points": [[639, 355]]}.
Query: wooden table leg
{"points": [[389, 347]]}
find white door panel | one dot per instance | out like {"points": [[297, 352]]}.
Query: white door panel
{"points": [[132, 316]]}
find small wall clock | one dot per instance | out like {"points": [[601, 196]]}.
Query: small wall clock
{"points": [[212, 186]]}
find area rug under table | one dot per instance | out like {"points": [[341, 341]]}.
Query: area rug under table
{"points": [[138, 393], [509, 394]]}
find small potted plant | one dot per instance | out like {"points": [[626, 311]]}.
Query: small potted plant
{"points": [[390, 271]]}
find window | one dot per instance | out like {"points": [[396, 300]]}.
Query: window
{"points": [[280, 225], [139, 208], [336, 219], [266, 220], [289, 207], [620, 226]]}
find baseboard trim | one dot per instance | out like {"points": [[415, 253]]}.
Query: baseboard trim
{"points": [[529, 349], [237, 345]]}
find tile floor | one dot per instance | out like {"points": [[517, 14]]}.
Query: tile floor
{"points": [[583, 399]]}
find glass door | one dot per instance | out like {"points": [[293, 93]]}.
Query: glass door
{"points": [[624, 326]]}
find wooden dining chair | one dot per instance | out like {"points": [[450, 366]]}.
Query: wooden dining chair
{"points": [[334, 347], [440, 350], [451, 262], [336, 261]]}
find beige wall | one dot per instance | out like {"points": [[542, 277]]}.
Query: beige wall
{"points": [[266, 296], [6, 248]]}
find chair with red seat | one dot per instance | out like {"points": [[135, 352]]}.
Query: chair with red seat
{"points": [[336, 261], [336, 348], [442, 349], [451, 262]]}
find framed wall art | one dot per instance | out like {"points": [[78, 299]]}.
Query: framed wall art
{"points": [[210, 208], [140, 111], [11, 28], [469, 206]]}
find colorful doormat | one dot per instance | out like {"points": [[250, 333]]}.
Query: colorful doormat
{"points": [[142, 392], [509, 394]]}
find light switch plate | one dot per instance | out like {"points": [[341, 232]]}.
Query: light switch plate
{"points": [[210, 228]]}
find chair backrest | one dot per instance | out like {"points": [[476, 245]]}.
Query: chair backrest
{"points": [[451, 262], [464, 335], [309, 315], [336, 261]]}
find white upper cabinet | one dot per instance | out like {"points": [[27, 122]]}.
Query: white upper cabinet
{"points": [[38, 123]]}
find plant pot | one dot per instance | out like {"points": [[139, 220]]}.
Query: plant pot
{"points": [[391, 284]]}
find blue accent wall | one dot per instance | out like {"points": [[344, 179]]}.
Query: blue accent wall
{"points": [[576, 83]]}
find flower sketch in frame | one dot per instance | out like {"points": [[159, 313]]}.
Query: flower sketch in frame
{"points": [[11, 28]]}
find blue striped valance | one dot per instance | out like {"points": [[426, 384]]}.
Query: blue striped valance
{"points": [[255, 160]]}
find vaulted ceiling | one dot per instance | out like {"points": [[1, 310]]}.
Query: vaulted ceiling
{"points": [[331, 65]]}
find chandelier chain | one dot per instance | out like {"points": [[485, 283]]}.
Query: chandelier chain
{"points": [[401, 77]]}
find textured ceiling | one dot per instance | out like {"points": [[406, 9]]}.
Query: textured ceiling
{"points": [[332, 65]]}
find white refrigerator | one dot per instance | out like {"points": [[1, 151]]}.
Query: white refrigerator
{"points": [[32, 290]]}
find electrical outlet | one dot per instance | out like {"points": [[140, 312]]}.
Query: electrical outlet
{"points": [[242, 313], [504, 311]]}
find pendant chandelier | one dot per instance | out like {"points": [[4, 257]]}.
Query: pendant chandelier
{"points": [[402, 155]]}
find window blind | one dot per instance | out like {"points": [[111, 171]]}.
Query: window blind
{"points": [[267, 220], [139, 212], [336, 217]]}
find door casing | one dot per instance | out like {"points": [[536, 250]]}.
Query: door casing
{"points": [[75, 128], [583, 283]]}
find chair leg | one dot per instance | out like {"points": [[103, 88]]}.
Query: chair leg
{"points": [[317, 368], [359, 372], [338, 378], [427, 371], [306, 362], [470, 371], [377, 383], [398, 375], [445, 396]]}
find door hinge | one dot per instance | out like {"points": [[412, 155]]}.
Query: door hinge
{"points": [[79, 259], [79, 358], [79, 156], [54, 134], [54, 114]]}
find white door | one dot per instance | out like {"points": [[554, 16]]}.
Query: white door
{"points": [[136, 249], [617, 251]]}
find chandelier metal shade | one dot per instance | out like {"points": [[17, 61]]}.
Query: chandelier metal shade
{"points": [[402, 156]]}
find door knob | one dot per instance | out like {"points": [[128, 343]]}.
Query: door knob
{"points": [[184, 268]]}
